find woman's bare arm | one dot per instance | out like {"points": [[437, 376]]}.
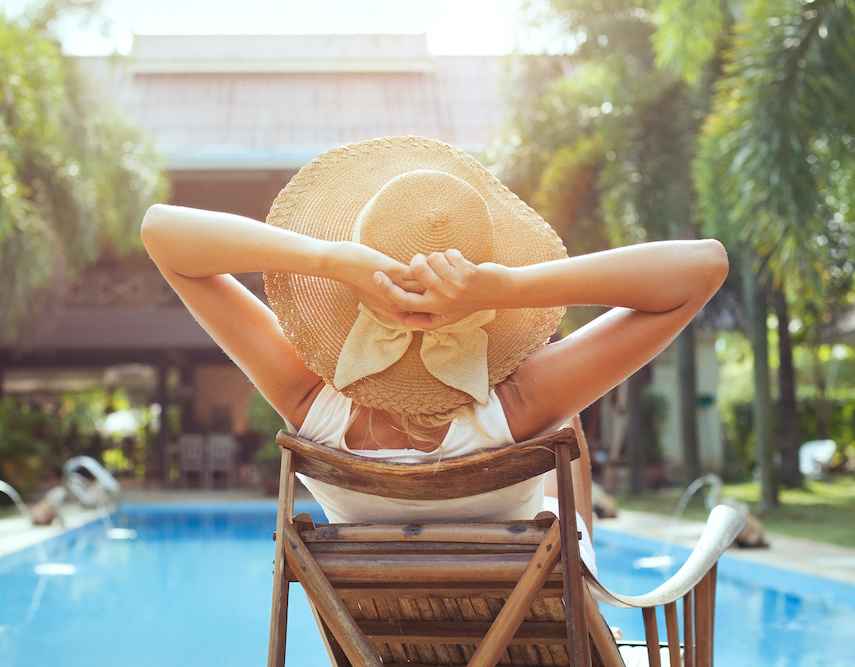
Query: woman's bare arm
{"points": [[196, 250], [198, 243], [650, 277], [655, 289]]}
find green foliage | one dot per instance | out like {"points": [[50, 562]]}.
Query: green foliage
{"points": [[567, 195], [821, 511], [737, 419], [654, 411], [686, 35], [780, 142], [262, 418], [37, 437], [75, 178], [639, 117]]}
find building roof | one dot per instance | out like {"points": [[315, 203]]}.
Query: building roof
{"points": [[255, 108], [277, 101]]}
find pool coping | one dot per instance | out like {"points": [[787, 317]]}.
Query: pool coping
{"points": [[827, 561], [17, 533]]}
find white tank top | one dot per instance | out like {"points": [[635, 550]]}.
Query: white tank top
{"points": [[486, 427]]}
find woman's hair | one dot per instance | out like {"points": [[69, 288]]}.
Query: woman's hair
{"points": [[422, 427], [419, 428]]}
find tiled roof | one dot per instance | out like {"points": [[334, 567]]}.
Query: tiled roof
{"points": [[298, 95]]}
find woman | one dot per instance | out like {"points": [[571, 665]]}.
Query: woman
{"points": [[654, 289]]}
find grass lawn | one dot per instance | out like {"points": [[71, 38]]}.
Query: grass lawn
{"points": [[822, 511]]}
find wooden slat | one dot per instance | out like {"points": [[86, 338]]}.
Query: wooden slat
{"points": [[417, 589], [368, 610], [388, 611], [702, 623], [362, 568], [601, 635], [529, 531], [417, 548], [279, 604], [431, 611], [449, 632], [651, 635], [555, 611], [688, 631], [480, 472], [323, 596], [578, 646], [453, 613], [336, 655], [540, 612], [713, 575], [512, 613], [673, 633], [410, 612]]}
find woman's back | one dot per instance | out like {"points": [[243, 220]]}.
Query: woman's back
{"points": [[484, 426]]}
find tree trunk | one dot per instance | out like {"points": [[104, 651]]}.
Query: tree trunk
{"points": [[687, 374], [755, 299], [788, 435], [635, 446], [162, 438], [823, 416]]}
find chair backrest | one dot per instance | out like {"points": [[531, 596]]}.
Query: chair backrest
{"points": [[461, 476], [435, 593], [429, 596]]}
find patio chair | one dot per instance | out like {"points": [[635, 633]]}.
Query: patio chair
{"points": [[221, 462], [191, 459], [511, 593]]}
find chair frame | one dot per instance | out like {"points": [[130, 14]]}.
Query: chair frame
{"points": [[589, 641]]}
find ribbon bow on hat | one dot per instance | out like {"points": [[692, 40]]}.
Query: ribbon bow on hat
{"points": [[455, 354]]}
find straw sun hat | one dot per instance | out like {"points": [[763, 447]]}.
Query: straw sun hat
{"points": [[404, 195]]}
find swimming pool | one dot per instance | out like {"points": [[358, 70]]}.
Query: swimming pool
{"points": [[194, 588]]}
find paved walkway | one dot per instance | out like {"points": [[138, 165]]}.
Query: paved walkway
{"points": [[17, 533], [816, 558], [806, 556]]}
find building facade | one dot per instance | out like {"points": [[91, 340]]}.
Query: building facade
{"points": [[235, 116]]}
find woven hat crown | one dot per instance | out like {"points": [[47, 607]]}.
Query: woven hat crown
{"points": [[425, 211], [404, 195]]}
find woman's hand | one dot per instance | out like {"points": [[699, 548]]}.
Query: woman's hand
{"points": [[451, 288], [357, 266]]}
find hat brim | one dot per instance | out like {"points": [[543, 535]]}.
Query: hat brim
{"points": [[323, 199]]}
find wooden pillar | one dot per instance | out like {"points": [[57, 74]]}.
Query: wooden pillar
{"points": [[162, 399], [187, 376]]}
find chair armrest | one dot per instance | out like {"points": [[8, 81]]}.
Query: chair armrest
{"points": [[722, 527]]}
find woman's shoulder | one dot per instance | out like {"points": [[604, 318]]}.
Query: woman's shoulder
{"points": [[303, 405], [524, 419], [510, 396]]}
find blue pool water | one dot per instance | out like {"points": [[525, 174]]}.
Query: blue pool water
{"points": [[194, 589]]}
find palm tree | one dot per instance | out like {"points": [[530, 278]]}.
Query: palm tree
{"points": [[75, 177], [774, 152]]}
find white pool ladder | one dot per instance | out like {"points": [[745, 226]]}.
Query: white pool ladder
{"points": [[105, 491]]}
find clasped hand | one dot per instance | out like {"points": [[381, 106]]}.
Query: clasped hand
{"points": [[432, 291]]}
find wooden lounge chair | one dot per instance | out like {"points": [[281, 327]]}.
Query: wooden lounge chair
{"points": [[510, 593]]}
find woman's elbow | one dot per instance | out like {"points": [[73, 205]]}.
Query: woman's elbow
{"points": [[152, 226], [716, 263]]}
